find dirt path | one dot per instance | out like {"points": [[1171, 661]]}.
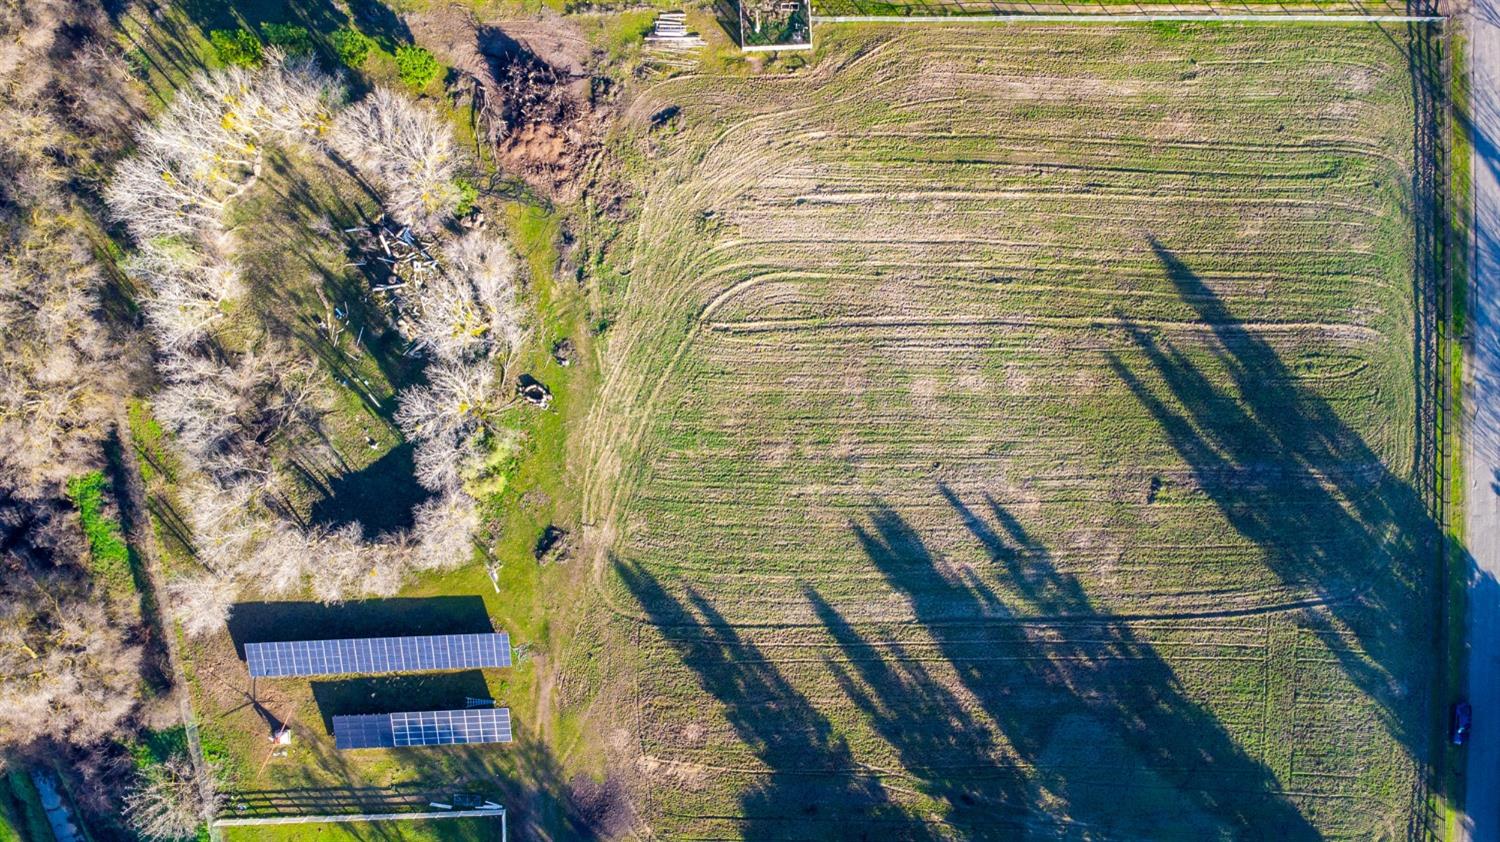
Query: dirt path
{"points": [[143, 538], [1482, 447]]}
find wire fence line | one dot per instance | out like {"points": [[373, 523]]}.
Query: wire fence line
{"points": [[349, 818], [1131, 17]]}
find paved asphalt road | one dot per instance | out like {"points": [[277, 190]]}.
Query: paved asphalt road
{"points": [[1482, 446]]}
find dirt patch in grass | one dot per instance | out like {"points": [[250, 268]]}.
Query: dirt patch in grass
{"points": [[528, 83]]}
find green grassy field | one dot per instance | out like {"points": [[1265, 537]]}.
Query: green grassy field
{"points": [[445, 830], [1022, 436]]}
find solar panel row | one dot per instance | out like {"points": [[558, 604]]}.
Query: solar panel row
{"points": [[378, 654], [424, 728]]}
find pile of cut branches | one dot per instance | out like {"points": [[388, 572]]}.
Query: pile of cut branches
{"points": [[397, 262]]}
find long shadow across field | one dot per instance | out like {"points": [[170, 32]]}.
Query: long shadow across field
{"points": [[936, 736], [1091, 712], [1289, 475], [813, 788]]}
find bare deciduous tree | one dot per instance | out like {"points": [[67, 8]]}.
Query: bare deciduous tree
{"points": [[203, 602], [65, 668], [455, 398], [442, 417], [469, 310], [67, 671], [440, 462], [206, 147], [188, 291], [444, 529], [225, 415], [279, 564], [407, 150], [347, 563], [59, 371], [167, 803]]}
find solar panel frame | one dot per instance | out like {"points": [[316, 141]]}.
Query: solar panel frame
{"points": [[371, 655], [471, 726]]}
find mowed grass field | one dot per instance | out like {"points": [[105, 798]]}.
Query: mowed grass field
{"points": [[903, 8], [1015, 433]]}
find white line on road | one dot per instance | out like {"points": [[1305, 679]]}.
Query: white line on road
{"points": [[1482, 432]]}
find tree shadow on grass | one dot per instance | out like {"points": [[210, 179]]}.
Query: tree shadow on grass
{"points": [[321, 16], [380, 497], [1290, 476], [305, 215], [398, 693], [272, 622], [376, 20], [938, 739], [1090, 710], [812, 788]]}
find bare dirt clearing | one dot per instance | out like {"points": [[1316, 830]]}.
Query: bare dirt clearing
{"points": [[1017, 435]]}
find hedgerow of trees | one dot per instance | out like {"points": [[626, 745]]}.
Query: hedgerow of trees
{"points": [[229, 406], [69, 671]]}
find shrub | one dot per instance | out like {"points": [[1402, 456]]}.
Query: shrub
{"points": [[352, 46], [236, 46], [293, 40], [416, 66], [468, 194]]}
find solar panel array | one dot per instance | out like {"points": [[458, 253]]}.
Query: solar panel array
{"points": [[378, 654], [426, 728]]}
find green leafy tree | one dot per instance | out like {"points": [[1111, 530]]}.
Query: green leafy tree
{"points": [[236, 46], [352, 46], [468, 194], [293, 40], [417, 66]]}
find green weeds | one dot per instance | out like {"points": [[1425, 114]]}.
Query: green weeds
{"points": [[237, 46], [416, 66], [468, 194], [109, 555], [292, 39], [352, 46]]}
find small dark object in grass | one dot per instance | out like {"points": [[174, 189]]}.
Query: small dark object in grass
{"points": [[1153, 490], [533, 391], [562, 352], [554, 545], [665, 116]]}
